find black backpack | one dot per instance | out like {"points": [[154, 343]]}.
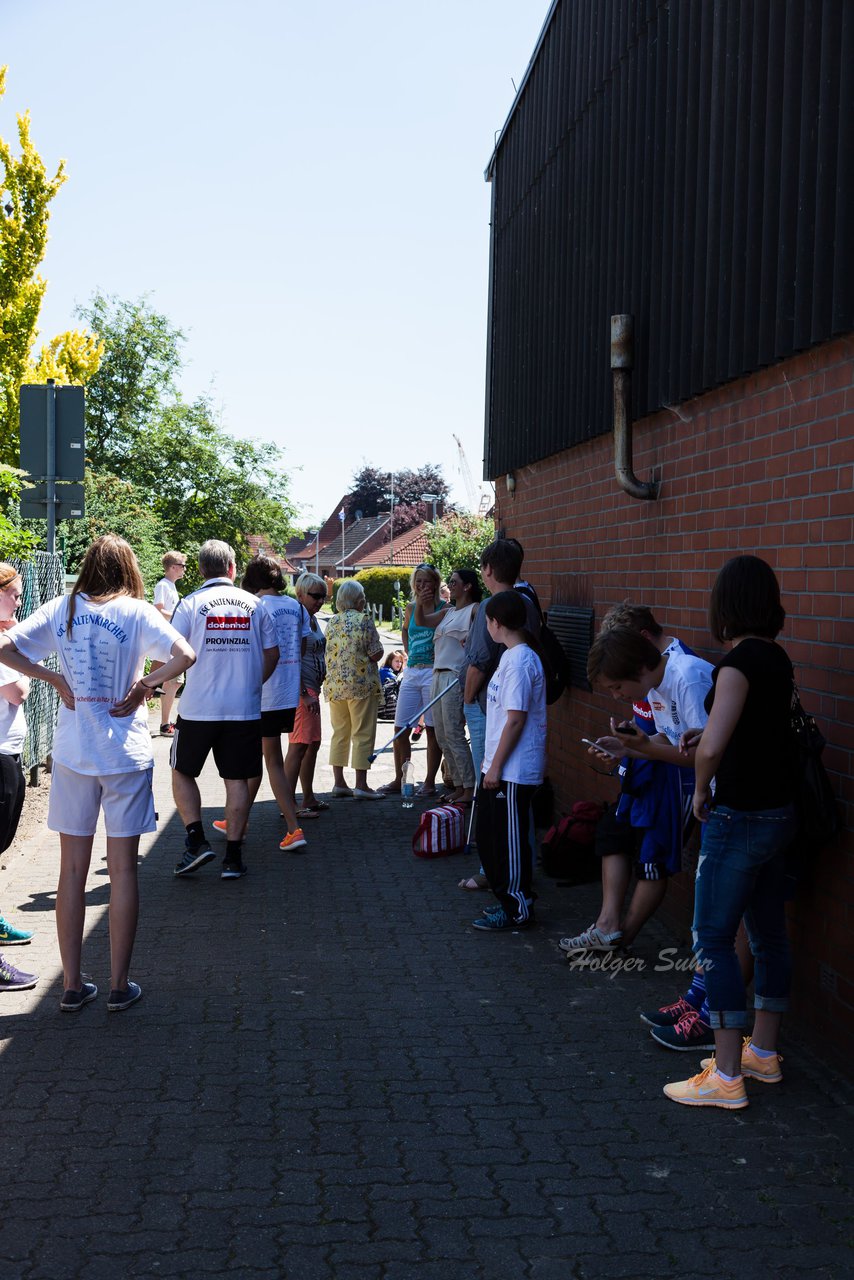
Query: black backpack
{"points": [[555, 661]]}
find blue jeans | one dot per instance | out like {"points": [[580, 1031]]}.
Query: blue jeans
{"points": [[741, 872], [476, 722]]}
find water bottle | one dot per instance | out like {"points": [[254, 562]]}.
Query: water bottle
{"points": [[407, 785]]}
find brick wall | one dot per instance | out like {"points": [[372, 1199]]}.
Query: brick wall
{"points": [[764, 465]]}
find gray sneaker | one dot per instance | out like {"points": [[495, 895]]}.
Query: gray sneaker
{"points": [[12, 979], [193, 858]]}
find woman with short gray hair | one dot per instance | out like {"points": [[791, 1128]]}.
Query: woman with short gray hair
{"points": [[353, 650]]}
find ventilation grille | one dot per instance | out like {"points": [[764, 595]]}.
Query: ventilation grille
{"points": [[573, 627]]}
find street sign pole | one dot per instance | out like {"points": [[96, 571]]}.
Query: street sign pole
{"points": [[51, 466]]}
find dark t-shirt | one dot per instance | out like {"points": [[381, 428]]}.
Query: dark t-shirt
{"points": [[758, 768]]}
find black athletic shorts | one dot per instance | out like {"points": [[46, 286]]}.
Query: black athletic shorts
{"points": [[275, 723], [618, 837], [236, 747], [12, 790]]}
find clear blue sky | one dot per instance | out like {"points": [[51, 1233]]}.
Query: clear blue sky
{"points": [[297, 186]]}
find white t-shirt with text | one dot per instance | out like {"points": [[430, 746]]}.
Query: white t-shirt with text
{"points": [[677, 703], [291, 621], [101, 658], [229, 634], [518, 684]]}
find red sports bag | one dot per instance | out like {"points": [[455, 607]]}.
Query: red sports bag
{"points": [[440, 832]]}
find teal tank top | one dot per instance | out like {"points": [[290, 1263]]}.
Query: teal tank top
{"points": [[420, 644]]}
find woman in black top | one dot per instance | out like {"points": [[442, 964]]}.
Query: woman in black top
{"points": [[747, 747]]}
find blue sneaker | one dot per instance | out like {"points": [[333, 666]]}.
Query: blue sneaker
{"points": [[500, 920], [10, 936], [124, 999], [73, 1001], [193, 858]]}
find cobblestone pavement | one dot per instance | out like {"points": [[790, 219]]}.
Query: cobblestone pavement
{"points": [[332, 1077]]}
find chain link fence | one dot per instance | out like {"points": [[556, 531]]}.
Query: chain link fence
{"points": [[42, 578]]}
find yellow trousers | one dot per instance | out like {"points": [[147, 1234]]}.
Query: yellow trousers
{"points": [[354, 731]]}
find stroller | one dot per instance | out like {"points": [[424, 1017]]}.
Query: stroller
{"points": [[388, 699]]}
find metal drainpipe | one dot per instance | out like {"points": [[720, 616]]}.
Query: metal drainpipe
{"points": [[622, 346]]}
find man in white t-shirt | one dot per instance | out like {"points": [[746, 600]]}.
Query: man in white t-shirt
{"points": [[235, 644], [166, 602]]}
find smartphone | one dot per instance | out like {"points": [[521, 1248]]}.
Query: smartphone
{"points": [[596, 747]]}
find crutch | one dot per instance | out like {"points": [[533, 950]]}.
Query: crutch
{"points": [[409, 724], [470, 846]]}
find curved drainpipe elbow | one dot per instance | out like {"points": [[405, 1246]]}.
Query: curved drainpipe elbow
{"points": [[622, 334]]}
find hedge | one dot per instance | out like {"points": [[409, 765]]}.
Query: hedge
{"points": [[378, 585]]}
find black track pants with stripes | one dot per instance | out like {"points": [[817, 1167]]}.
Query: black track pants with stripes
{"points": [[503, 824]]}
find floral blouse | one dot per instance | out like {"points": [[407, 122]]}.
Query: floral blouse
{"points": [[350, 637]]}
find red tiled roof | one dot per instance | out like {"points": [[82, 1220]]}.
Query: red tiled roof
{"points": [[358, 538], [329, 530], [410, 549], [260, 545]]}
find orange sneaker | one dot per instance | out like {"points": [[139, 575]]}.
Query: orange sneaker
{"points": [[708, 1089], [765, 1069], [220, 824], [294, 840]]}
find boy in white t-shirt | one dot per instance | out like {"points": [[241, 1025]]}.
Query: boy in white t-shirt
{"points": [[166, 600], [627, 665], [513, 765]]}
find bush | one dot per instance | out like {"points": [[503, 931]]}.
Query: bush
{"points": [[379, 585], [457, 541]]}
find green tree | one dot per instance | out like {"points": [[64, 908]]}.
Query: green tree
{"points": [[116, 506], [135, 381], [196, 480], [16, 540], [457, 541], [25, 195], [205, 483]]}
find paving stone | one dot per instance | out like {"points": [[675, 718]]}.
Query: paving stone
{"points": [[332, 1077]]}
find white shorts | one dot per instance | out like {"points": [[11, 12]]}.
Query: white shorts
{"points": [[414, 694], [76, 799]]}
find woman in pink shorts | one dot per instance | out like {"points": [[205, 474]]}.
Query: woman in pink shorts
{"points": [[304, 739]]}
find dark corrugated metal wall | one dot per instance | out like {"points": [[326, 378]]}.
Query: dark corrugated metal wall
{"points": [[688, 162]]}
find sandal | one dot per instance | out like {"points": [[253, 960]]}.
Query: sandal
{"points": [[424, 791], [474, 882], [319, 806], [310, 812]]}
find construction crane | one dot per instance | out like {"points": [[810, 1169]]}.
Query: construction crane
{"points": [[479, 499]]}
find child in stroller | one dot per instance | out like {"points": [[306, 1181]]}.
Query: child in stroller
{"points": [[391, 673]]}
